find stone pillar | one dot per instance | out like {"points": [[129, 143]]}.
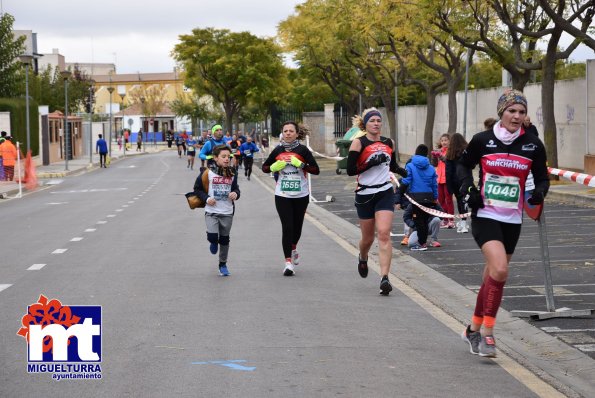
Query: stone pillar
{"points": [[590, 122]]}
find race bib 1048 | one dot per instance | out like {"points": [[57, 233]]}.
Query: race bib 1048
{"points": [[502, 191]]}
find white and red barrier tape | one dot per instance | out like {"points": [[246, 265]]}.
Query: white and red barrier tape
{"points": [[580, 178], [428, 210]]}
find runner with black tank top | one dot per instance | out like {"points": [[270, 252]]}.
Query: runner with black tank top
{"points": [[293, 161], [506, 154], [372, 158]]}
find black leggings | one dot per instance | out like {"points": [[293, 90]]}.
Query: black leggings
{"points": [[291, 212], [248, 166]]}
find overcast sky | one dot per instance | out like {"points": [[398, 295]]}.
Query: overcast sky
{"points": [[137, 35]]}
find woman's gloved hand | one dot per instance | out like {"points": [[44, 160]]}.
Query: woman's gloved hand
{"points": [[278, 166]]}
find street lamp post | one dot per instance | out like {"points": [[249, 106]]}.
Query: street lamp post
{"points": [[66, 75], [91, 82], [111, 90], [122, 95], [142, 100], [27, 59]]}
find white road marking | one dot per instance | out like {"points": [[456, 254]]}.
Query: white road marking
{"points": [[59, 251], [517, 248], [56, 203], [110, 215], [119, 209], [586, 347], [475, 287], [91, 190], [4, 287], [101, 222], [131, 201], [77, 239], [54, 182], [580, 260], [556, 329], [559, 295], [90, 230], [125, 205], [36, 267]]}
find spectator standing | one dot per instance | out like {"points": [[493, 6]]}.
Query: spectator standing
{"points": [[101, 148]]}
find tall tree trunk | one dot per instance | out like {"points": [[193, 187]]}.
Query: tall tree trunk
{"points": [[430, 117], [519, 79], [453, 84], [550, 134]]}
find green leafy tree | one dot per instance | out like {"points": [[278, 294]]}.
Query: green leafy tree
{"points": [[10, 67], [232, 68]]}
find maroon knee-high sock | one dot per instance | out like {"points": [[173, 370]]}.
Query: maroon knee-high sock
{"points": [[492, 299]]}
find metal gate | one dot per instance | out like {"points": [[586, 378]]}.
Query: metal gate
{"points": [[281, 115]]}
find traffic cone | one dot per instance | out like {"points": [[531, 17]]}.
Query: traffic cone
{"points": [[30, 174]]}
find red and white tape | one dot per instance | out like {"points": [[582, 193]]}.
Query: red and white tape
{"points": [[580, 178], [428, 210]]}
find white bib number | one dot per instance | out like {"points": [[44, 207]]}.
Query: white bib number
{"points": [[291, 185], [501, 191]]}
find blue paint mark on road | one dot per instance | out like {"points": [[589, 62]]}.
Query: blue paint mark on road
{"points": [[231, 364]]}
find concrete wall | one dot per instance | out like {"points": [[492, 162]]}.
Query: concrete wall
{"points": [[570, 111]]}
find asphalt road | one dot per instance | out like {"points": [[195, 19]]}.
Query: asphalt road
{"points": [[572, 258], [123, 238]]}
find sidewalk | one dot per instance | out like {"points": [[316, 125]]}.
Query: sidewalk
{"points": [[75, 166]]}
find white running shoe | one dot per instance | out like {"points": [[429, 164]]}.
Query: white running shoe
{"points": [[295, 257], [288, 271], [459, 226], [464, 227]]}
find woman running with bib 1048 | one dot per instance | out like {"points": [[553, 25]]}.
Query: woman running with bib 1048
{"points": [[372, 158], [293, 161], [505, 154]]}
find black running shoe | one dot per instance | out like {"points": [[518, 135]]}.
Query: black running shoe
{"points": [[385, 287], [362, 267]]}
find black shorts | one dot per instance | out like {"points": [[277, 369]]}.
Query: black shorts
{"points": [[368, 205], [486, 229]]}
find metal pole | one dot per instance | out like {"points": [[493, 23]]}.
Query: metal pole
{"points": [[545, 256], [111, 90], [66, 137], [19, 170], [90, 125], [27, 105], [466, 91]]}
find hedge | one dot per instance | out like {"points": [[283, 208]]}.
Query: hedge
{"points": [[18, 122]]}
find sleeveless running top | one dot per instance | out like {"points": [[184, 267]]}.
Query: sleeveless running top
{"points": [[376, 178]]}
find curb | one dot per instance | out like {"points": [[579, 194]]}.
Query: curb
{"points": [[570, 198]]}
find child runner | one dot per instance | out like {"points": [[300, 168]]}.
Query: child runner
{"points": [[292, 161], [223, 191]]}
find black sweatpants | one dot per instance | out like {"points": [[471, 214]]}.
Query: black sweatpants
{"points": [[291, 212], [420, 218]]}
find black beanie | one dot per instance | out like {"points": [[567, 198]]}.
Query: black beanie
{"points": [[421, 150]]}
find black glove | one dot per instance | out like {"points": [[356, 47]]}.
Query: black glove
{"points": [[536, 198], [379, 159], [401, 171], [473, 199]]}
